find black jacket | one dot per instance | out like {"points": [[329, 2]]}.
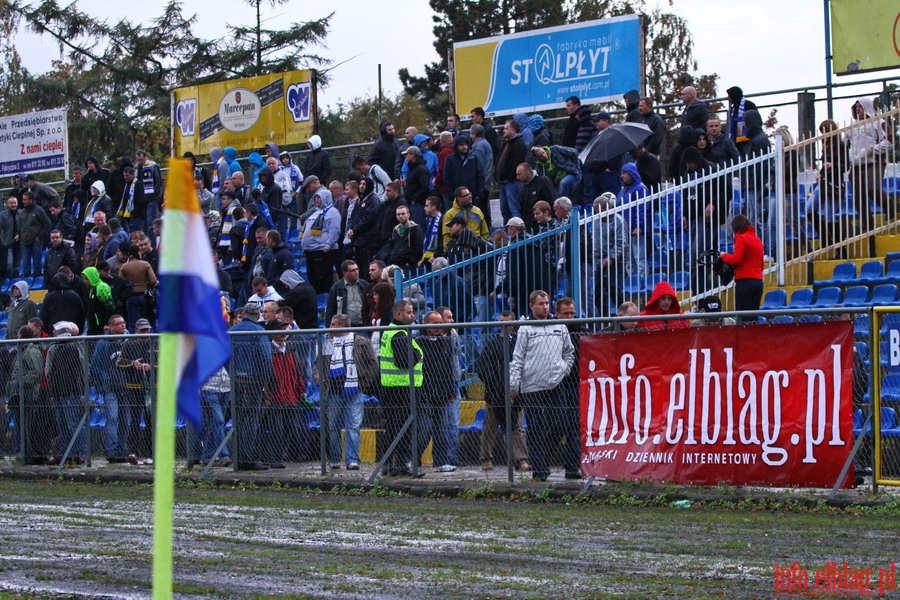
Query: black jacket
{"points": [[365, 223], [417, 182], [302, 299], [539, 188], [384, 151], [61, 304], [58, 256]]}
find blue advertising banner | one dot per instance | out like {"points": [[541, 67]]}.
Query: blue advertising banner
{"points": [[598, 61]]}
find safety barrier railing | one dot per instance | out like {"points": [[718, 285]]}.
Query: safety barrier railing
{"points": [[492, 398]]}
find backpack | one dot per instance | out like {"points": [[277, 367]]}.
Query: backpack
{"points": [[712, 258]]}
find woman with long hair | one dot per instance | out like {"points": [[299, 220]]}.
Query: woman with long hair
{"points": [[382, 301], [747, 260]]}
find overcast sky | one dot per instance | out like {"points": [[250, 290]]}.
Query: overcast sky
{"points": [[762, 45]]}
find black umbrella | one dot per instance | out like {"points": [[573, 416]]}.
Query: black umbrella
{"points": [[614, 141]]}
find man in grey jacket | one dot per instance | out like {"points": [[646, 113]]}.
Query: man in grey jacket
{"points": [[542, 358]]}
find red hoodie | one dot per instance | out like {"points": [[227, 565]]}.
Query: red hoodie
{"points": [[652, 308]]}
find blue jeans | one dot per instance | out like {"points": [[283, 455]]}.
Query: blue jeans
{"points": [[135, 309], [451, 428], [31, 259], [344, 412], [568, 185], [213, 405], [431, 424], [69, 412], [509, 200], [152, 210], [116, 427], [11, 258], [284, 221], [135, 224]]}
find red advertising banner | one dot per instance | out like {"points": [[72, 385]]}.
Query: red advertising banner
{"points": [[747, 404]]}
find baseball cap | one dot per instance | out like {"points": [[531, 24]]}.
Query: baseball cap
{"points": [[457, 219], [309, 179], [142, 324], [603, 116], [412, 150], [275, 325], [516, 222], [710, 304]]}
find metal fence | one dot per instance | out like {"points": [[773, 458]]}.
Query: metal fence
{"points": [[807, 201], [497, 398]]}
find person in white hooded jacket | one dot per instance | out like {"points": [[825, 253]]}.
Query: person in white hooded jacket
{"points": [[320, 241], [542, 357], [869, 145], [317, 162]]}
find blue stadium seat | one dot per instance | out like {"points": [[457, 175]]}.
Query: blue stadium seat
{"points": [[634, 285], [890, 388], [861, 327], [828, 297], [7, 285], [884, 295], [652, 281], [322, 302], [774, 299], [782, 320], [801, 298], [844, 273], [857, 295], [810, 319], [870, 272], [863, 350], [892, 273], [681, 280], [38, 283], [478, 423]]}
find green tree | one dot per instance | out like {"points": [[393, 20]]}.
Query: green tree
{"points": [[668, 42], [351, 122], [115, 77]]}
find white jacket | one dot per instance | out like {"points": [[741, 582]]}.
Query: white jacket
{"points": [[543, 356], [869, 140]]}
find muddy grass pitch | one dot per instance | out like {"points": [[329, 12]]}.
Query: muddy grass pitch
{"points": [[77, 540]]}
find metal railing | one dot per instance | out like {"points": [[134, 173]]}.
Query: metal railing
{"points": [[80, 401]]}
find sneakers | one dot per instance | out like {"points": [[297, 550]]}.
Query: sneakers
{"points": [[487, 465], [225, 462], [334, 466], [353, 466], [523, 465], [132, 459], [444, 469]]}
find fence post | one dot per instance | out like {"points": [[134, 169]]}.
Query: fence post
{"points": [[89, 406], [508, 427], [23, 440], [324, 423], [414, 431], [779, 208], [575, 263]]}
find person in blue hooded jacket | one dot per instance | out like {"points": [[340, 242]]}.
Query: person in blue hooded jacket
{"points": [[636, 218], [231, 158], [430, 158], [257, 164], [320, 241]]}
